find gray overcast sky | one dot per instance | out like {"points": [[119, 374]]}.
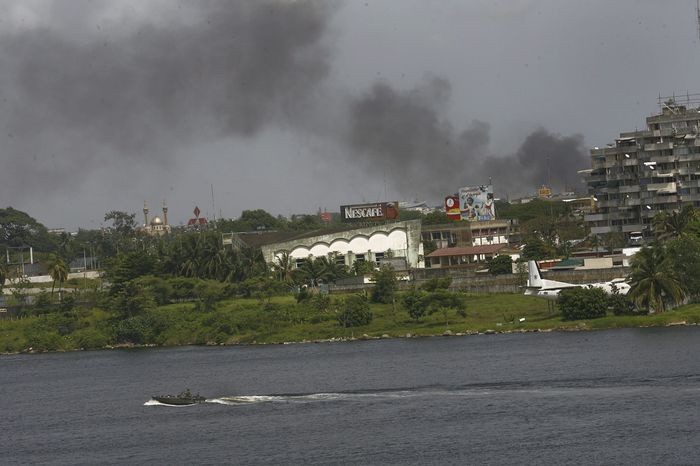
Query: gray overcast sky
{"points": [[291, 106]]}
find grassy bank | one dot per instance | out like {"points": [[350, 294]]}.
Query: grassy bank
{"points": [[281, 319]]}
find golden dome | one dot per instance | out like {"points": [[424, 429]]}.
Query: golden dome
{"points": [[156, 221]]}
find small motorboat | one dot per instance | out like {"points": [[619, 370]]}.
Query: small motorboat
{"points": [[183, 399]]}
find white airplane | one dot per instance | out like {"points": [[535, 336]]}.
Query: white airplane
{"points": [[550, 289]]}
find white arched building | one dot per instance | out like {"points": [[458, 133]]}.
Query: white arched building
{"points": [[375, 243]]}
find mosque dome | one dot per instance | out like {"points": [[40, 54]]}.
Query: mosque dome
{"points": [[156, 221]]}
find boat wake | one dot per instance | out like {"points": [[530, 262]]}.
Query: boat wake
{"points": [[586, 386]]}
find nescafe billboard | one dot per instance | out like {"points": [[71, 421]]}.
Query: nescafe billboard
{"points": [[376, 212]]}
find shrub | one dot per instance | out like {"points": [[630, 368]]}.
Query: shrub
{"points": [[385, 284], [89, 338], [501, 265], [583, 303], [437, 284], [355, 312], [621, 305], [414, 303]]}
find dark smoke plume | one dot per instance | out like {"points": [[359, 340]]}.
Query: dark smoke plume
{"points": [[406, 136], [71, 100]]}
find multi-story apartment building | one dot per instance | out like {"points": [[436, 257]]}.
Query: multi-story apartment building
{"points": [[646, 172]]}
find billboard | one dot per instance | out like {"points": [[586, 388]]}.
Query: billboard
{"points": [[452, 207], [375, 212], [476, 203]]}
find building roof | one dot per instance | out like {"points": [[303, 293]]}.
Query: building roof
{"points": [[468, 251]]}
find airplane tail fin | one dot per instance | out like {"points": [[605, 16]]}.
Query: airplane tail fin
{"points": [[534, 277]]}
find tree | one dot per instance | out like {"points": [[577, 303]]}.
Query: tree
{"points": [[536, 249], [583, 303], [284, 267], [361, 267], [684, 254], [500, 265], [355, 312], [19, 229], [443, 301], [673, 225], [414, 303], [123, 223], [654, 281], [3, 275], [312, 271], [58, 270], [385, 285]]}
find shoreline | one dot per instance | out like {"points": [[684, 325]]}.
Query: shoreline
{"points": [[581, 327]]}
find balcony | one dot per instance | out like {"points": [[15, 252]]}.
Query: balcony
{"points": [[690, 197], [634, 188], [662, 187], [663, 158], [603, 230], [658, 146], [595, 217]]}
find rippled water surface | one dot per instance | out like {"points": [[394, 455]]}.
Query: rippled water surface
{"points": [[624, 396]]}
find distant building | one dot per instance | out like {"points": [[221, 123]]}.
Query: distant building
{"points": [[466, 234], [646, 172], [157, 226], [398, 243]]}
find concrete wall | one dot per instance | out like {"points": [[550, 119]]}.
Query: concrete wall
{"points": [[510, 283]]}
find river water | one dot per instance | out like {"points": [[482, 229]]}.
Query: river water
{"points": [[608, 397]]}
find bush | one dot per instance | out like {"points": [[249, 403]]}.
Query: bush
{"points": [[355, 312], [414, 303], [161, 290], [501, 265], [320, 302], [621, 305], [437, 284], [583, 303], [89, 338], [385, 284]]}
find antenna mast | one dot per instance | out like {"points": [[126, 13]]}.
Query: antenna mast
{"points": [[697, 13]]}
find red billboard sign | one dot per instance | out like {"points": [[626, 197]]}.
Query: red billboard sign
{"points": [[452, 207]]}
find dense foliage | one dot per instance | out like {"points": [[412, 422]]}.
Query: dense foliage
{"points": [[583, 303], [385, 285], [355, 312], [500, 265]]}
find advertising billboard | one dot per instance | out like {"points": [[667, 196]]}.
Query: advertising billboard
{"points": [[476, 203], [375, 212], [452, 207]]}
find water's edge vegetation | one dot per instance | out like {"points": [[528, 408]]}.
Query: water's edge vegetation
{"points": [[281, 319]]}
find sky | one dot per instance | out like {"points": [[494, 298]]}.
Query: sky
{"points": [[295, 106]]}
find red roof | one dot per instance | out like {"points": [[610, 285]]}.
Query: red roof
{"points": [[469, 251]]}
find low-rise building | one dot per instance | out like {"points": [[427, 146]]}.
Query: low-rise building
{"points": [[395, 242]]}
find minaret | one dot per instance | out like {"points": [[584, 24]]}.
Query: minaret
{"points": [[145, 214], [165, 214]]}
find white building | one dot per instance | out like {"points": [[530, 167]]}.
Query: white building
{"points": [[373, 243]]}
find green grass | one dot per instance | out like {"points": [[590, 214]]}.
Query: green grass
{"points": [[281, 320]]}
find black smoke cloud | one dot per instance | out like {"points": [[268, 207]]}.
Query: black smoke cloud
{"points": [[73, 99], [407, 136]]}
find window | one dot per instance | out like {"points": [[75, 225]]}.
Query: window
{"points": [[378, 257]]}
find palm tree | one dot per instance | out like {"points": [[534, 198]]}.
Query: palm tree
{"points": [[58, 270], [284, 266], [3, 275], [334, 269], [654, 281], [313, 270], [673, 225]]}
